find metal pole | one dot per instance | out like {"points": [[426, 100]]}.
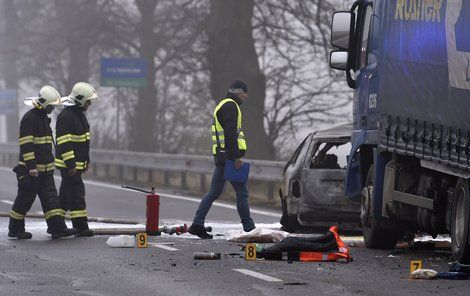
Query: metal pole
{"points": [[118, 115]]}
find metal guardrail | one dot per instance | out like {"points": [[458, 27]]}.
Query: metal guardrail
{"points": [[261, 170]]}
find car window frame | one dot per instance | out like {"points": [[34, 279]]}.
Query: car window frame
{"points": [[315, 148], [295, 156]]}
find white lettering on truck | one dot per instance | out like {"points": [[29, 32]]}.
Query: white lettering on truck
{"points": [[419, 10]]}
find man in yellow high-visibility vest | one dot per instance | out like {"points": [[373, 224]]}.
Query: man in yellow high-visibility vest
{"points": [[228, 143]]}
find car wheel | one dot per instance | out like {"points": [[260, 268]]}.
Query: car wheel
{"points": [[374, 236], [460, 222]]}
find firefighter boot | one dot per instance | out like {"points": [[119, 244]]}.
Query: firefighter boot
{"points": [[81, 224], [56, 228], [16, 229]]}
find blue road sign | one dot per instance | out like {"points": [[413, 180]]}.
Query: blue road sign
{"points": [[8, 101], [123, 72]]}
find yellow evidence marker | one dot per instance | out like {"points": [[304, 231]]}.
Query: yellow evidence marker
{"points": [[415, 265], [142, 240], [250, 252]]}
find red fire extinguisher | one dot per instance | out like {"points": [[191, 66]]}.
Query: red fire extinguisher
{"points": [[152, 210]]}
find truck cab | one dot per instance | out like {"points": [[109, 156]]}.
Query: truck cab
{"points": [[409, 65]]}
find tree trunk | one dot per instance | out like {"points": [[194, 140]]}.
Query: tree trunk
{"points": [[231, 55], [10, 70], [79, 64], [79, 17], [143, 121]]}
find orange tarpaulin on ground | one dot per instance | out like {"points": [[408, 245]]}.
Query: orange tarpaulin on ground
{"points": [[327, 247], [343, 252]]}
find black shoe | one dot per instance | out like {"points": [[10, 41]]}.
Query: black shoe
{"points": [[20, 235], [85, 233], [200, 231], [249, 229], [63, 233]]}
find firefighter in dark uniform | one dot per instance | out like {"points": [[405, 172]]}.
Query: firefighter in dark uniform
{"points": [[73, 155], [36, 168]]}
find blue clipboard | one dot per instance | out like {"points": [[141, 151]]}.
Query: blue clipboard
{"points": [[233, 175]]}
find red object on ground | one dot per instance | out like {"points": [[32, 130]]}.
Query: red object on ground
{"points": [[153, 210]]}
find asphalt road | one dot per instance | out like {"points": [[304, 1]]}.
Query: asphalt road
{"points": [[87, 266]]}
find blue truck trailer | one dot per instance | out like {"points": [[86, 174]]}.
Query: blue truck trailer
{"points": [[409, 64]]}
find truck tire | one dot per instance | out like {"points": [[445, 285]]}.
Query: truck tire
{"points": [[460, 222], [374, 236]]}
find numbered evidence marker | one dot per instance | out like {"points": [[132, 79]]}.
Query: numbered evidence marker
{"points": [[416, 264], [142, 240], [250, 252]]}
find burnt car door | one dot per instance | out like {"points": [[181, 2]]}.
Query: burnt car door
{"points": [[323, 174], [292, 170]]}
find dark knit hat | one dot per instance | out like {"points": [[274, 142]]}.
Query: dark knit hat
{"points": [[238, 86]]}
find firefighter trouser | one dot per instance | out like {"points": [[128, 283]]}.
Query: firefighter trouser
{"points": [[28, 188], [72, 198]]}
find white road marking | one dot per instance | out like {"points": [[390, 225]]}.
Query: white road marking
{"points": [[258, 275], [172, 196], [8, 202], [164, 247]]}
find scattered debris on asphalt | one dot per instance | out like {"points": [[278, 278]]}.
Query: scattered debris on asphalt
{"points": [[121, 241], [206, 256], [423, 274]]}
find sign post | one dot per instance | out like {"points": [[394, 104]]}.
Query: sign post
{"points": [[123, 72]]}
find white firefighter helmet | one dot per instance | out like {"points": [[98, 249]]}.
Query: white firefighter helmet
{"points": [[48, 96], [81, 92]]}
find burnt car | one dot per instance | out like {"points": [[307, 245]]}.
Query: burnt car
{"points": [[312, 191]]}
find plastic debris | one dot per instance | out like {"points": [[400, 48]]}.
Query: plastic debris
{"points": [[121, 241], [423, 274]]}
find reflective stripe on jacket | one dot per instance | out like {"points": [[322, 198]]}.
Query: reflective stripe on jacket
{"points": [[35, 141], [73, 139]]}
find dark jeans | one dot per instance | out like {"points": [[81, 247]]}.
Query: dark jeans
{"points": [[216, 189]]}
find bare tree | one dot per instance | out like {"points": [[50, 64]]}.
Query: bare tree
{"points": [[231, 54], [293, 46], [193, 49]]}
